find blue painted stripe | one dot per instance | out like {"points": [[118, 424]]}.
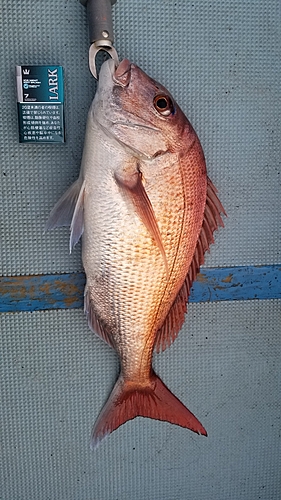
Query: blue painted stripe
{"points": [[65, 291], [237, 283], [37, 293]]}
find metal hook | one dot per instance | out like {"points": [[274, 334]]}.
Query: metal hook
{"points": [[94, 48], [101, 30]]}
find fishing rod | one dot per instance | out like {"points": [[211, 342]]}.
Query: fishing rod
{"points": [[100, 30]]}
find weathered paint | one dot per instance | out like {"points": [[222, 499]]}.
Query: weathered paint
{"points": [[237, 283], [35, 293], [65, 291]]}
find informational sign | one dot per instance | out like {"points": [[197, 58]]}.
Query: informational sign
{"points": [[40, 96]]}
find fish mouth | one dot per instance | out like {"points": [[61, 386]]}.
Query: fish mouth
{"points": [[109, 73], [122, 74]]}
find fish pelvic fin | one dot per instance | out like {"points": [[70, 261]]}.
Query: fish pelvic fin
{"points": [[62, 213], [131, 184], [77, 222], [154, 400]]}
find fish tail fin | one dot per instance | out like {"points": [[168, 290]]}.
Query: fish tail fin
{"points": [[153, 400]]}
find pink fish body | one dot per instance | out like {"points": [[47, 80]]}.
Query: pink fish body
{"points": [[146, 211]]}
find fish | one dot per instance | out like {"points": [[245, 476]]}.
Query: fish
{"points": [[146, 211]]}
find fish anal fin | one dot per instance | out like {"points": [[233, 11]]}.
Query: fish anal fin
{"points": [[154, 400], [130, 182], [175, 317], [95, 324], [77, 222], [62, 213]]}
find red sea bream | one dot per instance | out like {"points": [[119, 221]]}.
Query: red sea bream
{"points": [[146, 212]]}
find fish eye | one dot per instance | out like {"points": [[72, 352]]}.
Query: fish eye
{"points": [[164, 105]]}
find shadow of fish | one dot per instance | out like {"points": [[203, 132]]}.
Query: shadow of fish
{"points": [[147, 212]]}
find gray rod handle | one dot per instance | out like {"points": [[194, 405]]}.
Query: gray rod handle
{"points": [[100, 19]]}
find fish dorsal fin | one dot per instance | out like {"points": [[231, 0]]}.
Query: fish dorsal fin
{"points": [[130, 182], [175, 317], [94, 322]]}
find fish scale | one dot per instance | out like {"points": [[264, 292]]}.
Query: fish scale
{"points": [[114, 239], [147, 213]]}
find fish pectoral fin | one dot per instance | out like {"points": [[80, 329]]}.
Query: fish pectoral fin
{"points": [[77, 222], [130, 182], [62, 213], [153, 400]]}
